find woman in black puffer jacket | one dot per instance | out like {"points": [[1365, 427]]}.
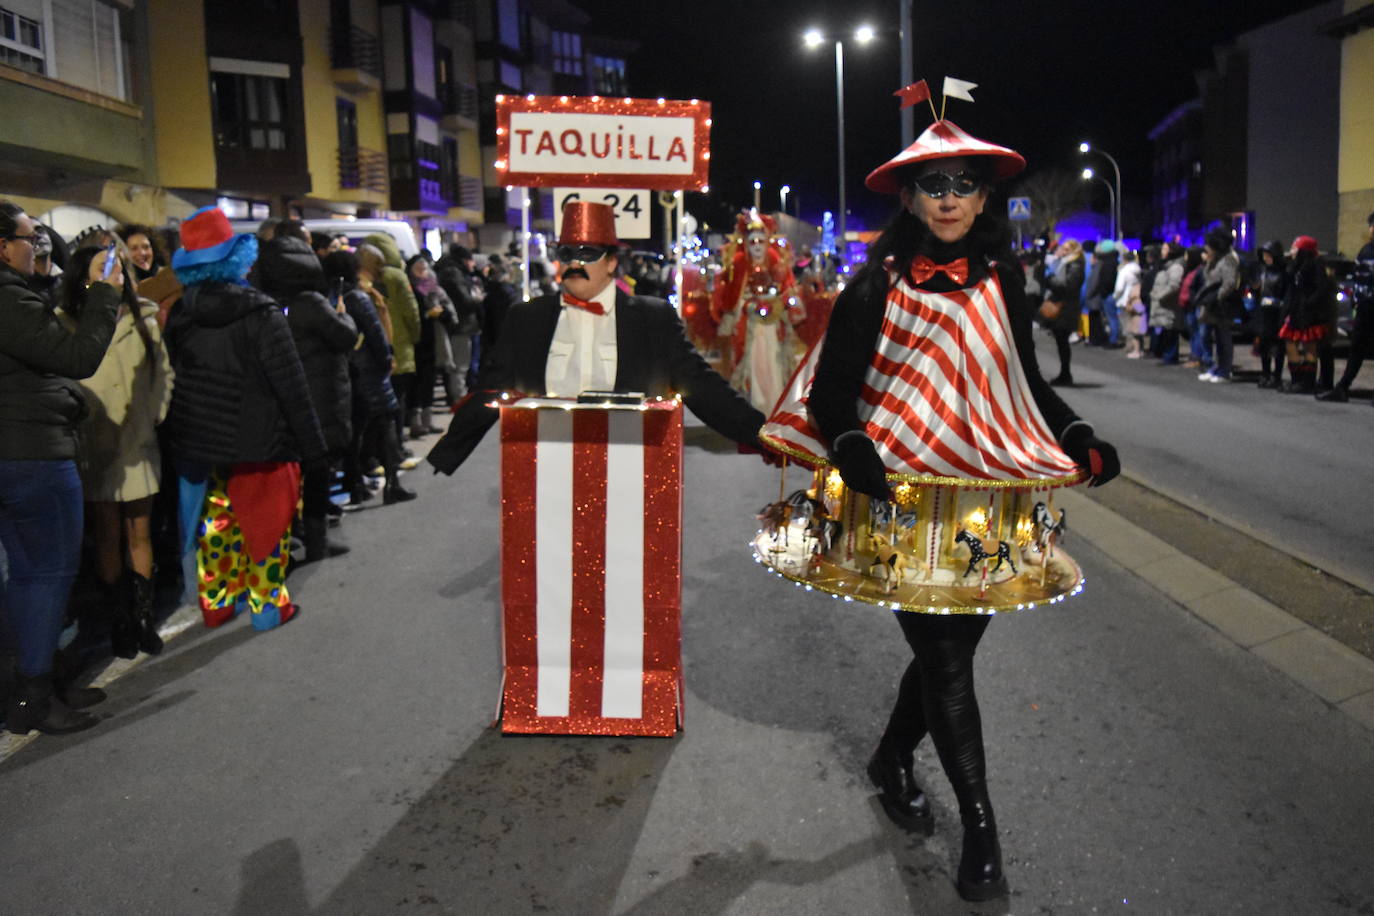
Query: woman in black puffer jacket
{"points": [[325, 335], [374, 402], [240, 425], [41, 406]]}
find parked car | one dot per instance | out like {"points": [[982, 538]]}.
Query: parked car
{"points": [[355, 229]]}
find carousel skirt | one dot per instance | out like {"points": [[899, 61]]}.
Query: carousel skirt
{"points": [[936, 550]]}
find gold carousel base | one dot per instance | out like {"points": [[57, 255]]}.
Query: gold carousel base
{"points": [[923, 591]]}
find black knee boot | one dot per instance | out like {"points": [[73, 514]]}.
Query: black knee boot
{"points": [[118, 599], [144, 614], [957, 731], [890, 767]]}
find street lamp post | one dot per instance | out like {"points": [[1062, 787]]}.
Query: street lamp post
{"points": [[782, 196], [814, 38], [1086, 147], [1088, 175], [758, 186]]}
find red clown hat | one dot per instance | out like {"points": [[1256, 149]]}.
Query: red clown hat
{"points": [[943, 140], [588, 223]]}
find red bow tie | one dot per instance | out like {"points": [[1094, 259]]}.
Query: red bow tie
{"points": [[923, 268], [584, 304]]}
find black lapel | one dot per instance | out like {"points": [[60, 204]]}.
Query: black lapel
{"points": [[629, 343]]}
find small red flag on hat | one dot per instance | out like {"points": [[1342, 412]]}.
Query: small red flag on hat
{"points": [[914, 94]]}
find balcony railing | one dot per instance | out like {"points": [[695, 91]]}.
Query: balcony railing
{"points": [[363, 169], [460, 100], [470, 193], [351, 48]]}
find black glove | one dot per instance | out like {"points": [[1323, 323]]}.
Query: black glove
{"points": [[1096, 457], [860, 467]]}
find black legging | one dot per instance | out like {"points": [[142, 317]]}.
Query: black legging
{"points": [[1361, 335], [315, 485], [1061, 342], [936, 697]]}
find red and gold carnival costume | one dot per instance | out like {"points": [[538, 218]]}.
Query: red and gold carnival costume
{"points": [[755, 300]]}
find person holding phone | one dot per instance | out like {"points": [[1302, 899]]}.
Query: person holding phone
{"points": [[41, 405], [120, 462]]}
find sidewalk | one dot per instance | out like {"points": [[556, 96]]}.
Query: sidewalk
{"points": [[1336, 673]]}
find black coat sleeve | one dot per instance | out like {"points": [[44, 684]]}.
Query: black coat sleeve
{"points": [[336, 331], [707, 395], [33, 336], [281, 363], [472, 417], [845, 353]]}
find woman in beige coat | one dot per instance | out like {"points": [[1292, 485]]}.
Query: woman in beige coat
{"points": [[119, 460]]}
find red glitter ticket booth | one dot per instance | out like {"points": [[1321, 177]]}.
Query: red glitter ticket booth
{"points": [[591, 567]]}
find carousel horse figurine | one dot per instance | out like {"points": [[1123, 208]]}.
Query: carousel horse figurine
{"points": [[825, 531], [776, 518], [804, 507], [978, 554], [1046, 527], [890, 559]]}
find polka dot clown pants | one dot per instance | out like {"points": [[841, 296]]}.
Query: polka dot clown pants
{"points": [[228, 579]]}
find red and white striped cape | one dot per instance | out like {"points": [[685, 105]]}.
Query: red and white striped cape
{"points": [[945, 399]]}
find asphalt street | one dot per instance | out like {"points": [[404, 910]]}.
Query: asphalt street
{"points": [[1140, 761], [1291, 471]]}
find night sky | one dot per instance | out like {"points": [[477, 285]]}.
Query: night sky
{"points": [[1049, 76]]}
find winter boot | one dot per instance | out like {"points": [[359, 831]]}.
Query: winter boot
{"points": [[1304, 379], [64, 675], [427, 421], [393, 492], [33, 704], [144, 594], [118, 600], [980, 865], [317, 543], [413, 424]]}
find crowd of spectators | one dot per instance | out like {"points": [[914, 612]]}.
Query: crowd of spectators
{"points": [[186, 411], [1189, 307]]}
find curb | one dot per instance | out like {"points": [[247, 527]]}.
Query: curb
{"points": [[1327, 667]]}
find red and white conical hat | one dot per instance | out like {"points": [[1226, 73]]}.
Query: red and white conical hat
{"points": [[943, 140]]}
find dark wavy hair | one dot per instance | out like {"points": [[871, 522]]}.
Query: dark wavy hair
{"points": [[341, 265], [73, 296], [9, 217]]}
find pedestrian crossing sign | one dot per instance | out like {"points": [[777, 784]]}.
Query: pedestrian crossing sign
{"points": [[1018, 208]]}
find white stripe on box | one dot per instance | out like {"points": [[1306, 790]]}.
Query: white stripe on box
{"points": [[622, 683], [553, 562]]}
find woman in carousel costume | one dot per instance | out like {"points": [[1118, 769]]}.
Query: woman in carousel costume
{"points": [[927, 381], [756, 301]]}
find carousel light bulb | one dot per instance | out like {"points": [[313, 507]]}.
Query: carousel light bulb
{"points": [[813, 38], [864, 34], [1088, 174]]}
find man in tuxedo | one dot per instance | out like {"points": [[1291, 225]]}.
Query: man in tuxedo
{"points": [[593, 337]]}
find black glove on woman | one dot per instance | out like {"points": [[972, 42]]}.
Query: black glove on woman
{"points": [[1096, 457], [860, 467]]}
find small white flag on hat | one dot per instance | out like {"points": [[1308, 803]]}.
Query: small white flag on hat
{"points": [[959, 89]]}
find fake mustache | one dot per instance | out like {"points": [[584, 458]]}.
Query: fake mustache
{"points": [[575, 272]]}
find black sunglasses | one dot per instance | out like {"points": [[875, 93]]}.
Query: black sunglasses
{"points": [[584, 253], [30, 238], [938, 184]]}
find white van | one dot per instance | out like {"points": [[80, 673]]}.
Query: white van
{"points": [[355, 229]]}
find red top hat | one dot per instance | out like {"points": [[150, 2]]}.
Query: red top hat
{"points": [[587, 223], [943, 140]]}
